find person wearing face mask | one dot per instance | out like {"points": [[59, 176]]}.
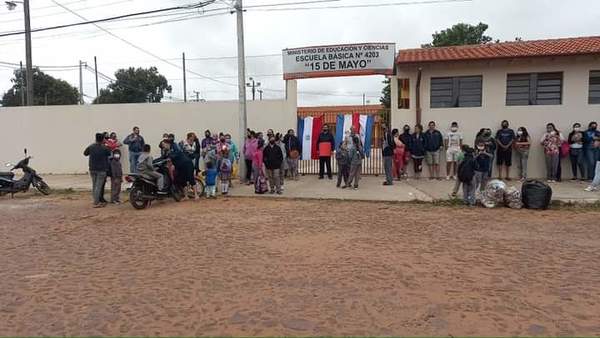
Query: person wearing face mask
{"points": [[116, 177], [504, 142], [551, 141], [522, 144], [485, 136], [576, 152], [417, 150], [592, 153], [434, 142], [325, 146], [273, 158], [388, 155], [483, 162], [453, 143], [293, 149]]}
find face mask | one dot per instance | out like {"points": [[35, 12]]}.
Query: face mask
{"points": [[480, 148], [576, 129], [325, 131], [520, 133], [487, 134], [407, 130], [272, 142], [454, 129], [553, 133], [117, 156], [505, 126], [594, 128]]}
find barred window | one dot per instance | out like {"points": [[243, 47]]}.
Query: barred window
{"points": [[594, 97], [453, 92], [534, 89]]}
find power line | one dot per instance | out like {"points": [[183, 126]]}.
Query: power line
{"points": [[144, 50], [389, 4], [93, 22], [61, 12]]}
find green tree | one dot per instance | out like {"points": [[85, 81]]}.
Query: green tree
{"points": [[47, 90], [460, 34], [457, 35], [135, 85]]}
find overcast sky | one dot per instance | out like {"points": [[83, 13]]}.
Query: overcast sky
{"points": [[267, 33]]}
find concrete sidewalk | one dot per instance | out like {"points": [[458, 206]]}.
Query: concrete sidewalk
{"points": [[371, 189]]}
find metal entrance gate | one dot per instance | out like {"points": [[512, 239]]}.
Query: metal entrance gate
{"points": [[372, 165]]}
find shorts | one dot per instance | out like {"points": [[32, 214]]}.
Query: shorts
{"points": [[452, 154], [504, 157], [432, 157]]}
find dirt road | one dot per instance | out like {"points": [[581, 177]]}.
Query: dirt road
{"points": [[283, 267]]}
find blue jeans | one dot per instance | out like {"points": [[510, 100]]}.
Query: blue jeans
{"points": [[133, 161], [98, 181], [590, 162]]}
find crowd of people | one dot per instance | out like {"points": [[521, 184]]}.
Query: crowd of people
{"points": [[473, 166], [272, 159], [269, 161]]}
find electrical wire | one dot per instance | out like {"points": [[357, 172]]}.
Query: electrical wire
{"points": [[61, 12], [93, 22], [389, 4]]}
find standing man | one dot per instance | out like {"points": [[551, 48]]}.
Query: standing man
{"points": [[135, 142], [434, 142], [98, 155], [504, 139], [273, 158], [325, 146], [388, 155], [293, 147]]}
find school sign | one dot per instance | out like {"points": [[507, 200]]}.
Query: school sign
{"points": [[339, 60]]}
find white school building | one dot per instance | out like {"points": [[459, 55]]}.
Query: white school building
{"points": [[528, 83]]}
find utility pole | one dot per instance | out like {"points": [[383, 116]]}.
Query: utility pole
{"points": [[22, 84], [81, 82], [241, 82], [96, 72], [184, 80], [28, 58]]}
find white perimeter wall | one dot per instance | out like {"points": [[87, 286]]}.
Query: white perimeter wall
{"points": [[57, 135], [575, 107]]}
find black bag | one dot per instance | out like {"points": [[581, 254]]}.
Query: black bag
{"points": [[466, 170], [536, 195]]}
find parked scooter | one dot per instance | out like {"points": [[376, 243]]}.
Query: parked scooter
{"points": [[144, 190], [8, 185]]}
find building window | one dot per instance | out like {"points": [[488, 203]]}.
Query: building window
{"points": [[459, 91], [594, 87], [403, 94], [534, 89]]}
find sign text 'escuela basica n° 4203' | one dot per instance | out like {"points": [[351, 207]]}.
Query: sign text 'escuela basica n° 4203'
{"points": [[339, 60]]}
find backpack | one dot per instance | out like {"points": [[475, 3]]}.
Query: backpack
{"points": [[466, 170]]}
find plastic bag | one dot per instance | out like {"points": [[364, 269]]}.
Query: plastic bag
{"points": [[536, 195], [512, 198], [493, 195]]}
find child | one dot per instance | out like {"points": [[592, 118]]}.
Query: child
{"points": [[116, 177], [225, 172], [145, 167], [453, 143], [482, 166], [211, 180], [466, 176]]}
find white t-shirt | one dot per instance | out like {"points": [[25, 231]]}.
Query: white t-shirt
{"points": [[454, 139]]}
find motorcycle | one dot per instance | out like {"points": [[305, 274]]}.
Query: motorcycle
{"points": [[8, 185], [144, 190]]}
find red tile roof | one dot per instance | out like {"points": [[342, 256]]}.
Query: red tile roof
{"points": [[503, 50]]}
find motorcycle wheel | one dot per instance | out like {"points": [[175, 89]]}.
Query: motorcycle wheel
{"points": [[177, 193], [42, 187], [136, 198]]}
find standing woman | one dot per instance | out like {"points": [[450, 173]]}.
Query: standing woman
{"points": [[576, 152], [417, 150], [250, 145], [257, 165], [522, 145], [406, 138], [399, 151], [551, 141]]}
